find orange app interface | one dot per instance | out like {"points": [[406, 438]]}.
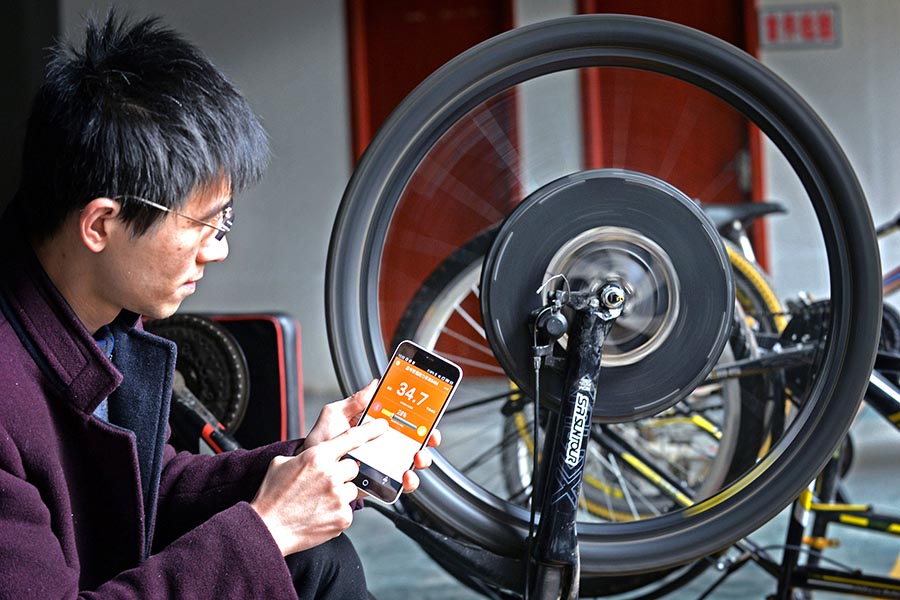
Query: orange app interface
{"points": [[410, 399]]}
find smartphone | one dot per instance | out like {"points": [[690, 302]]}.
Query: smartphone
{"points": [[411, 396]]}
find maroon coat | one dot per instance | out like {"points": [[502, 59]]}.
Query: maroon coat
{"points": [[94, 510]]}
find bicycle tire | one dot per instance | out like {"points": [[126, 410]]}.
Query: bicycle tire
{"points": [[427, 313], [766, 315], [755, 292], [842, 361]]}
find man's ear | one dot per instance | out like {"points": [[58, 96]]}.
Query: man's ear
{"points": [[98, 219]]}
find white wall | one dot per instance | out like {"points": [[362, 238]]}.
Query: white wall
{"points": [[854, 88], [289, 58], [549, 123]]}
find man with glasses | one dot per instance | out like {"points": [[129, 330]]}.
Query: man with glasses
{"points": [[135, 146]]}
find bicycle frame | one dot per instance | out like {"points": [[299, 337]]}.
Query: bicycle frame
{"points": [[790, 572], [884, 397], [815, 510], [792, 575], [819, 506]]}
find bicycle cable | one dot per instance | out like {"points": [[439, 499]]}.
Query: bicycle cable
{"points": [[810, 551], [535, 448]]}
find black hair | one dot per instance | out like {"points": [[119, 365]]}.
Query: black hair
{"points": [[139, 111]]}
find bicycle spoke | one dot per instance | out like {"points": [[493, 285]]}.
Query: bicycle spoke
{"points": [[473, 323], [623, 485], [462, 360], [486, 455], [481, 348]]}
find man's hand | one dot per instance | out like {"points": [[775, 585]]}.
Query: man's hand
{"points": [[304, 500], [339, 416]]}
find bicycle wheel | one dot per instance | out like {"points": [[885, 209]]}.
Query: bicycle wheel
{"points": [[406, 210]]}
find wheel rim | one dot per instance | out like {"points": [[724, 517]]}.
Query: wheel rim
{"points": [[624, 250], [515, 60]]}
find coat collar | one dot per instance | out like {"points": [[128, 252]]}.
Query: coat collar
{"points": [[74, 364], [52, 332]]}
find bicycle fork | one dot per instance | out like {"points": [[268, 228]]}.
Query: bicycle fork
{"points": [[555, 557]]}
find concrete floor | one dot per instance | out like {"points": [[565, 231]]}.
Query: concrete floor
{"points": [[397, 569]]}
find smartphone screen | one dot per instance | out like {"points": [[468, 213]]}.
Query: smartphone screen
{"points": [[411, 396]]}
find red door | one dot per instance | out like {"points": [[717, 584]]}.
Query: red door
{"points": [[394, 45]]}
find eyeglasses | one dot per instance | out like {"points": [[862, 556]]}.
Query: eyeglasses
{"points": [[227, 216]]}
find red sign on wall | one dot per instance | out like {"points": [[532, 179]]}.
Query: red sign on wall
{"points": [[804, 26]]}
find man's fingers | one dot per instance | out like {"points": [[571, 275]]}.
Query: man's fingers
{"points": [[349, 493], [422, 460], [434, 440], [410, 482], [368, 391], [359, 401], [347, 469], [355, 437]]}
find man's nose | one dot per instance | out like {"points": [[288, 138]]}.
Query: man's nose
{"points": [[214, 250]]}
